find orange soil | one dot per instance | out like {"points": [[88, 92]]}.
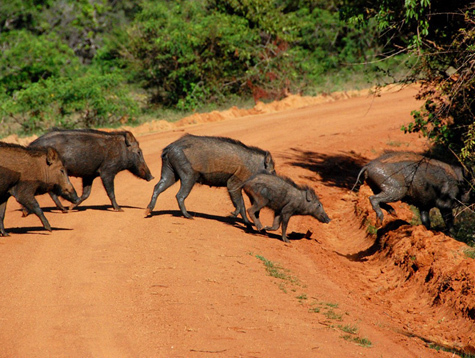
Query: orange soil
{"points": [[108, 284]]}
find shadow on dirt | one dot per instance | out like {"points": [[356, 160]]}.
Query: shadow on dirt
{"points": [[55, 210], [338, 170], [32, 230], [364, 254], [293, 236], [177, 213], [230, 220]]}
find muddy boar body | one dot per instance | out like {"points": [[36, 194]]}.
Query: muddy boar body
{"points": [[285, 198], [417, 180], [89, 154], [31, 172], [213, 161]]}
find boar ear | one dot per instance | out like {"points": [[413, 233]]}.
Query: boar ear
{"points": [[268, 162], [129, 139], [51, 156], [308, 195]]}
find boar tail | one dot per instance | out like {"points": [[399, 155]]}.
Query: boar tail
{"points": [[358, 178]]}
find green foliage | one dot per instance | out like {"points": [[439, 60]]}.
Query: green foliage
{"points": [[440, 36], [187, 55], [363, 342], [190, 53], [87, 101], [26, 58], [351, 329]]}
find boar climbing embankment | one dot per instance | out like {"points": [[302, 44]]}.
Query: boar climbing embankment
{"points": [[423, 182], [285, 198], [27, 172], [214, 161], [88, 153]]}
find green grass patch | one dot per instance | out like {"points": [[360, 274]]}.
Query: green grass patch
{"points": [[351, 329], [470, 253], [277, 271], [363, 342], [330, 314], [370, 227]]}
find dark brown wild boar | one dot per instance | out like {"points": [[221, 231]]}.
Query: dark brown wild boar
{"points": [[32, 171], [214, 161], [423, 182], [285, 198], [8, 179], [88, 153]]}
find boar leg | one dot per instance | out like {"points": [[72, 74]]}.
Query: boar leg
{"points": [[188, 178], [3, 207], [58, 203], [108, 182], [285, 221], [275, 226], [285, 215], [238, 201], [167, 180], [28, 200], [383, 198], [86, 191], [258, 202]]}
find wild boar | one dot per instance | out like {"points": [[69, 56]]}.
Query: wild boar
{"points": [[8, 179], [285, 198], [88, 153], [214, 161], [32, 171], [417, 180]]}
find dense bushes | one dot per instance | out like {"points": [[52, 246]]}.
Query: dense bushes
{"points": [[440, 36], [86, 101], [184, 54]]}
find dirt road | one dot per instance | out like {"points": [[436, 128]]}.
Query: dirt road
{"points": [[108, 284]]}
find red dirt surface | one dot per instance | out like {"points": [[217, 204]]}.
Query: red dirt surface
{"points": [[116, 284]]}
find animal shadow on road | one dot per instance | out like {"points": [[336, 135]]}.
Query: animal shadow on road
{"points": [[177, 213], [293, 236], [32, 230], [229, 220], [377, 245], [338, 170], [54, 209]]}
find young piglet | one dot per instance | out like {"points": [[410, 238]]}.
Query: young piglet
{"points": [[284, 197]]}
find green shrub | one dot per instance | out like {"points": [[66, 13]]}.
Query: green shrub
{"points": [[87, 101], [27, 58]]}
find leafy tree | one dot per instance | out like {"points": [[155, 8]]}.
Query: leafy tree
{"points": [[26, 58], [80, 102], [188, 53], [440, 35]]}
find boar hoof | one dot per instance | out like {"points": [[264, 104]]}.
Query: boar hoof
{"points": [[284, 239], [119, 210], [148, 213]]}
